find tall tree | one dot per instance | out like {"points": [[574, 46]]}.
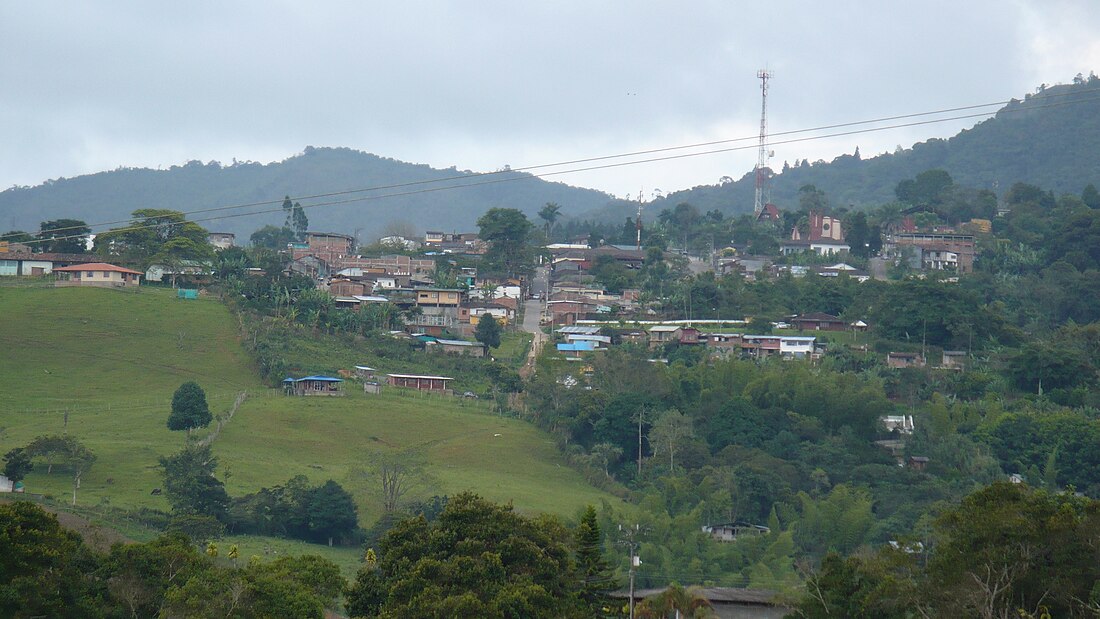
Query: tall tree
{"points": [[65, 236], [487, 331], [189, 408], [17, 463], [508, 232], [331, 511], [272, 237], [594, 570], [549, 214], [63, 450], [668, 434], [190, 484]]}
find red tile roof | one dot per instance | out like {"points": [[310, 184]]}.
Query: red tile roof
{"points": [[98, 266]]}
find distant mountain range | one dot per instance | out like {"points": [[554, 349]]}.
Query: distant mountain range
{"points": [[413, 190], [1050, 139]]}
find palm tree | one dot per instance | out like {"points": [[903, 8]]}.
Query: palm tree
{"points": [[549, 214]]}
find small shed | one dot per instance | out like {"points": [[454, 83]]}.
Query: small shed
{"points": [[313, 385], [364, 372], [898, 360], [730, 531], [460, 347], [954, 359], [918, 463]]}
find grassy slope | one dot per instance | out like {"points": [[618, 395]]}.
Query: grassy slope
{"points": [[114, 358]]}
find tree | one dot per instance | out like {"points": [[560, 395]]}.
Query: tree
{"points": [[190, 484], [296, 219], [63, 450], [507, 231], [668, 434], [331, 511], [189, 408], [549, 214], [17, 463], [1090, 196], [487, 331], [606, 454], [477, 559], [398, 474], [593, 569], [272, 237], [146, 235], [44, 566], [64, 236]]}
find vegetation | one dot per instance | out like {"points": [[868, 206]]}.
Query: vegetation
{"points": [[189, 408]]}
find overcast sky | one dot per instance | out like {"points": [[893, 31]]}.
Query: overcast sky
{"points": [[479, 85]]}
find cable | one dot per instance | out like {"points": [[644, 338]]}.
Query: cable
{"points": [[570, 171]]}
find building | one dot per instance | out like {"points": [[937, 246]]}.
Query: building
{"points": [[97, 274], [730, 531], [899, 360], [933, 251], [787, 346], [818, 321], [328, 246], [918, 463], [722, 344], [221, 240], [456, 347], [903, 424], [438, 297], [822, 227], [422, 383], [395, 264], [823, 247], [313, 385], [726, 602], [661, 335], [954, 359], [24, 263]]}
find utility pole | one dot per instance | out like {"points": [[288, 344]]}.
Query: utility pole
{"points": [[630, 540], [638, 222]]}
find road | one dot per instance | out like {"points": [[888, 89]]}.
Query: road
{"points": [[532, 313]]}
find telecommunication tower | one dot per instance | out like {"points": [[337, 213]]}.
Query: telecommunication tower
{"points": [[762, 157], [638, 221]]}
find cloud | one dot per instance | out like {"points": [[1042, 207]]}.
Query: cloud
{"points": [[480, 86]]}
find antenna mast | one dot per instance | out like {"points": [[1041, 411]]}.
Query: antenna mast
{"points": [[638, 221], [762, 157]]}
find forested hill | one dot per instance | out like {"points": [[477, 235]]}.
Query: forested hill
{"points": [[112, 196], [1049, 139]]}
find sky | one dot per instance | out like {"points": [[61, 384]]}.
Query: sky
{"points": [[483, 85]]}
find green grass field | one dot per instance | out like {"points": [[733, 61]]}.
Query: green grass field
{"points": [[111, 360]]}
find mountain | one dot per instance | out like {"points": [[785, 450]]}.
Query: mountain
{"points": [[112, 196], [1049, 139]]}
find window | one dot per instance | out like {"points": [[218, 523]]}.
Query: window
{"points": [[88, 274]]}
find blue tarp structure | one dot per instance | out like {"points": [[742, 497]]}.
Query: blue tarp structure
{"points": [[580, 346]]}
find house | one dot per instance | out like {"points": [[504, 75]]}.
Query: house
{"points": [[399, 242], [954, 359], [97, 274], [823, 247], [661, 335], [569, 312], [821, 227], [786, 346], [438, 297], [600, 342], [722, 344], [634, 337], [437, 384], [818, 321], [899, 360], [312, 267], [573, 350], [328, 246], [918, 463], [730, 531], [458, 347], [347, 288], [472, 312], [391, 264], [687, 336], [933, 250], [726, 602], [24, 263], [903, 424], [365, 372], [313, 385], [221, 240], [191, 269]]}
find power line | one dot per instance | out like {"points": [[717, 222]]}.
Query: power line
{"points": [[570, 171]]}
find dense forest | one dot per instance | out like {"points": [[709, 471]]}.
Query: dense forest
{"points": [[112, 196]]}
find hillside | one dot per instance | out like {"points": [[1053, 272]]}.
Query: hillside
{"points": [[1048, 139], [113, 195], [114, 364]]}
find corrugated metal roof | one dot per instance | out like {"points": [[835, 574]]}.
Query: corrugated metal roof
{"points": [[419, 376], [579, 330]]}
